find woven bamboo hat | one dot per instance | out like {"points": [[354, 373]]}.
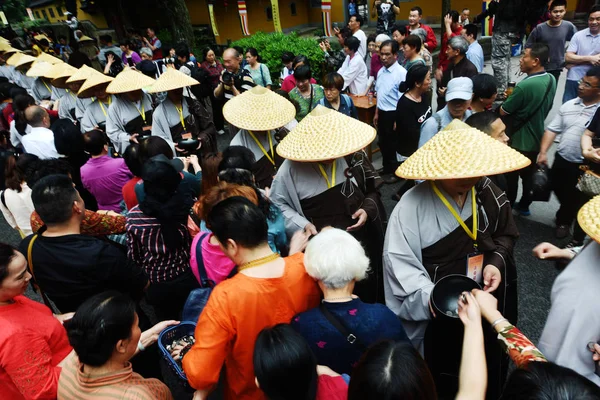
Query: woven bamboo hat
{"points": [[129, 80], [11, 50], [48, 58], [4, 46], [85, 39], [82, 74], [325, 134], [40, 69], [12, 60], [259, 109], [41, 36], [460, 151], [589, 218], [23, 60], [62, 72], [92, 83], [171, 80]]}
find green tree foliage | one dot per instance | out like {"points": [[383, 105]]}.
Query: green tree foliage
{"points": [[14, 10], [270, 47]]}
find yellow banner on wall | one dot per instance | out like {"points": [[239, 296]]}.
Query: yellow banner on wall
{"points": [[276, 16], [213, 22]]}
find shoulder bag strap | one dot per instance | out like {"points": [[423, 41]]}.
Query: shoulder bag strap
{"points": [[204, 281], [3, 199], [262, 76], [30, 263], [522, 124], [337, 324]]}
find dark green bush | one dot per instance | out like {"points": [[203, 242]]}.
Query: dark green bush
{"points": [[270, 47]]}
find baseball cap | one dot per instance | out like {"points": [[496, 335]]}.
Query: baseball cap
{"points": [[459, 88]]}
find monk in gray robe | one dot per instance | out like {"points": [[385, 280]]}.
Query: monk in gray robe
{"points": [[129, 118], [263, 145]]}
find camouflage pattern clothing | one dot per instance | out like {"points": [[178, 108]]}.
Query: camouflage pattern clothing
{"points": [[501, 52]]}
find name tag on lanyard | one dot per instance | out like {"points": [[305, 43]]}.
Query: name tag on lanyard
{"points": [[475, 267]]}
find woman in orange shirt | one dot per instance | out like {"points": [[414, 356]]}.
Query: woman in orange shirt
{"points": [[268, 290]]}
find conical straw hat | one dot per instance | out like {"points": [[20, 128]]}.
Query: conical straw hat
{"points": [[589, 218], [82, 74], [85, 39], [12, 60], [259, 109], [129, 80], [4, 46], [24, 59], [461, 151], [91, 84], [41, 36], [48, 58], [170, 80], [63, 72], [11, 50], [325, 134], [40, 69]]}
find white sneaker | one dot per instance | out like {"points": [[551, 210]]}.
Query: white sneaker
{"points": [[221, 132]]}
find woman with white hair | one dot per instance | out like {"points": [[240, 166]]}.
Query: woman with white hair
{"points": [[342, 327]]}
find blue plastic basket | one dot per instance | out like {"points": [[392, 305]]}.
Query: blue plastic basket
{"points": [[167, 337]]}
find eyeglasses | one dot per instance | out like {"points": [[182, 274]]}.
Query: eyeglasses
{"points": [[586, 85]]}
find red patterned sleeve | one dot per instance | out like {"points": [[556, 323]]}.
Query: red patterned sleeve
{"points": [[95, 224], [519, 348]]}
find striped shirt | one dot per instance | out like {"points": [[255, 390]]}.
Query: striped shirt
{"points": [[146, 247], [242, 81], [123, 384]]}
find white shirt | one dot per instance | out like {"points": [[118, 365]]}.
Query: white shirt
{"points": [[354, 72], [18, 208], [15, 136], [40, 141], [362, 50], [388, 82]]}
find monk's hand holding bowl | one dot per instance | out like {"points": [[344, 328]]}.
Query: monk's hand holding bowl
{"points": [[491, 278]]}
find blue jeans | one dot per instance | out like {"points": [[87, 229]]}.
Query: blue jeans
{"points": [[570, 90]]}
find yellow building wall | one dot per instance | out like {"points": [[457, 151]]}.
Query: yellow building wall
{"points": [[97, 19]]}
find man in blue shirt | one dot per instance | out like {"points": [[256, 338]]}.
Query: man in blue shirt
{"points": [[389, 78], [475, 52]]}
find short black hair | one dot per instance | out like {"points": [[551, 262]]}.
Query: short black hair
{"points": [[7, 253], [594, 9], [132, 159], [541, 51], [371, 38], [67, 137], [483, 121], [284, 365], [53, 198], [300, 58], [154, 146], [42, 168], [333, 80], [417, 9], [401, 29], [182, 50], [302, 73], [352, 43], [239, 49], [236, 166], [413, 41], [94, 141], [391, 43], [391, 370], [238, 219], [358, 18], [484, 86], [472, 30], [287, 56], [454, 15], [558, 3], [98, 325], [593, 72]]}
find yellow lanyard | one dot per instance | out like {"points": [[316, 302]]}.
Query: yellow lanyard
{"points": [[142, 112], [71, 93], [47, 87], [331, 183], [472, 233], [180, 112], [102, 106], [271, 158]]}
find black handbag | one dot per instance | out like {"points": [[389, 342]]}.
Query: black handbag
{"points": [[541, 187], [514, 124], [197, 299]]}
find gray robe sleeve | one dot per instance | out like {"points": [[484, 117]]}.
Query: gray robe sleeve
{"points": [[65, 104], [80, 107], [160, 125], [115, 129], [88, 121], [285, 196]]}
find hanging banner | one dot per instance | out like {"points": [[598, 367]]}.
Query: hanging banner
{"points": [[326, 11], [30, 13], [276, 16], [243, 17], [213, 22], [487, 24]]}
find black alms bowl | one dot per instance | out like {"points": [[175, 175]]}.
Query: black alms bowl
{"points": [[444, 297], [189, 145]]}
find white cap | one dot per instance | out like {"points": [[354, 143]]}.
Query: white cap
{"points": [[459, 88]]}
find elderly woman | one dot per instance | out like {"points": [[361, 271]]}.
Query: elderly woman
{"points": [[105, 335], [424, 53], [326, 180], [269, 288], [332, 86], [33, 342], [336, 260], [474, 235], [306, 94], [258, 112], [130, 114]]}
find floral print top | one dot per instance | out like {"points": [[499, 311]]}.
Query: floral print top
{"points": [[519, 348], [94, 224]]}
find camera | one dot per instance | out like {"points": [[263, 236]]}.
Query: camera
{"points": [[168, 60], [228, 77]]}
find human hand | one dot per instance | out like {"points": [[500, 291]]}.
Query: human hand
{"points": [[361, 216], [299, 241], [235, 90], [133, 138], [195, 162], [595, 349], [151, 335], [545, 251], [542, 159], [327, 44], [108, 212], [375, 120], [468, 309], [336, 30], [592, 155], [441, 91], [201, 395], [595, 59], [323, 46], [110, 59], [431, 309], [311, 229], [491, 278], [186, 162], [377, 3], [439, 74], [64, 317], [447, 20], [488, 305]]}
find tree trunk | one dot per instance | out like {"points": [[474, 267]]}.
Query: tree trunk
{"points": [[446, 6], [179, 18]]}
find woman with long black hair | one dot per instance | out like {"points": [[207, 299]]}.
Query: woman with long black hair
{"points": [[19, 126]]}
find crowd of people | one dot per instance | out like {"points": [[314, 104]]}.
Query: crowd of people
{"points": [[130, 210]]}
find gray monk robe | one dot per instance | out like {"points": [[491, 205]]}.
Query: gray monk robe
{"points": [[424, 243], [95, 115], [126, 118], [266, 165], [303, 194], [66, 106]]}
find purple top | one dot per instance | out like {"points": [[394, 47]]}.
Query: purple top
{"points": [[376, 65], [105, 177], [135, 57]]}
